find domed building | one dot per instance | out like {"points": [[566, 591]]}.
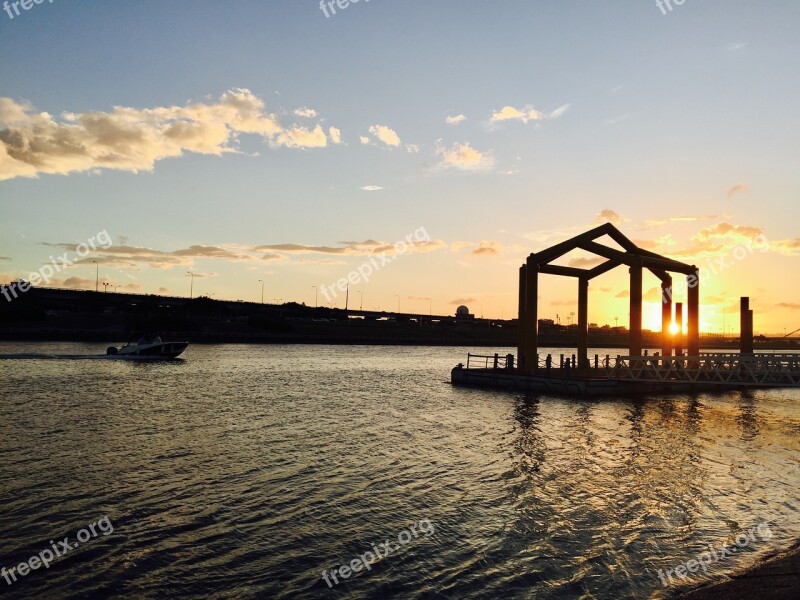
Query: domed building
{"points": [[462, 312]]}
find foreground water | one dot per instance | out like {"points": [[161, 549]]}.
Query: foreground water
{"points": [[247, 471]]}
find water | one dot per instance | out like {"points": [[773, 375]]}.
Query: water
{"points": [[245, 471]]}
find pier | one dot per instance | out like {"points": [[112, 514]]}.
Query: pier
{"points": [[670, 370]]}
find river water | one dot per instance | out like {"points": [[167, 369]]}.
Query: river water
{"points": [[246, 471]]}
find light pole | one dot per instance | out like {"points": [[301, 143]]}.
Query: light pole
{"points": [[96, 275], [361, 296], [191, 285], [105, 286], [315, 296], [262, 290]]}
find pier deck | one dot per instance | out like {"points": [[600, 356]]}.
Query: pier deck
{"points": [[637, 375]]}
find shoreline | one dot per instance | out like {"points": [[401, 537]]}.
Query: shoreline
{"points": [[773, 578]]}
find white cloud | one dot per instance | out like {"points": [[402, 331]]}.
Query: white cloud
{"points": [[371, 188], [364, 140], [308, 113], [412, 148], [509, 113], [385, 134], [456, 119], [132, 139], [464, 157], [336, 135]]}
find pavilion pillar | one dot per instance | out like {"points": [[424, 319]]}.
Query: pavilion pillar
{"points": [[745, 326], [583, 323], [636, 309], [678, 339], [666, 317], [531, 314], [522, 325], [693, 321]]}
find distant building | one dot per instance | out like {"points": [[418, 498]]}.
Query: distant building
{"points": [[462, 312]]}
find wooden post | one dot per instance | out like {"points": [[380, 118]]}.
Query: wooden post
{"points": [[666, 320], [583, 323], [521, 321], [636, 309], [693, 321], [531, 313]]}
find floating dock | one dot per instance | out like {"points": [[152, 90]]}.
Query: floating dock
{"points": [[635, 375]]}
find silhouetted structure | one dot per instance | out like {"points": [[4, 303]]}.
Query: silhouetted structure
{"points": [[637, 259]]}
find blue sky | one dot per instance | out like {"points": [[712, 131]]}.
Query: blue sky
{"points": [[610, 107]]}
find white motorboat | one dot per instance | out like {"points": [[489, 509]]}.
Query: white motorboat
{"points": [[152, 349]]}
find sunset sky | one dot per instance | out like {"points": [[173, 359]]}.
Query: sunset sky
{"points": [[263, 140]]}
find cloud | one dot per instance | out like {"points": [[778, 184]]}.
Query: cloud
{"points": [[559, 111], [526, 114], [336, 135], [738, 188], [464, 157], [305, 112], [5, 258], [364, 248], [371, 188], [623, 294], [564, 303], [786, 247], [132, 139], [585, 263], [609, 216], [789, 305], [509, 113], [683, 219], [719, 238], [363, 139], [734, 46], [386, 135], [456, 119], [133, 256], [412, 148], [487, 249], [164, 290], [462, 301]]}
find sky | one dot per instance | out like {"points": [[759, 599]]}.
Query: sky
{"points": [[276, 142]]}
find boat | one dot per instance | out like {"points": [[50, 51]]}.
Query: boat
{"points": [[148, 349]]}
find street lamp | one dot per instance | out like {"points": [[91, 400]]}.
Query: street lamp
{"points": [[262, 290], [105, 286], [191, 285], [315, 296], [96, 275]]}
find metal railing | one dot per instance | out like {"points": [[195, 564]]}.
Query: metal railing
{"points": [[490, 361], [723, 368]]}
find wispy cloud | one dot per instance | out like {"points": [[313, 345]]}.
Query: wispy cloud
{"points": [[371, 188], [486, 248], [738, 188], [133, 139], [455, 120]]}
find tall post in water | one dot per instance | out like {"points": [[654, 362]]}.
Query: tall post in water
{"points": [[636, 309], [745, 326], [583, 323], [666, 317], [678, 339], [531, 314], [522, 323], [693, 322]]}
